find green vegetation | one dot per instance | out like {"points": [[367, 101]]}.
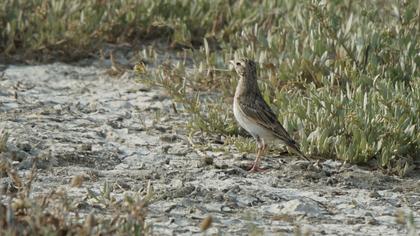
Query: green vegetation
{"points": [[344, 78], [343, 75]]}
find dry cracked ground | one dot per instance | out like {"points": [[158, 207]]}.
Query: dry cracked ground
{"points": [[79, 121]]}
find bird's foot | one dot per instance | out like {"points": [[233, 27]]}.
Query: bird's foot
{"points": [[256, 169]]}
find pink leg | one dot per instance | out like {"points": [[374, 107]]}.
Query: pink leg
{"points": [[262, 148], [265, 149], [256, 165]]}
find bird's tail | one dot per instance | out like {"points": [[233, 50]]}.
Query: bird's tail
{"points": [[295, 147]]}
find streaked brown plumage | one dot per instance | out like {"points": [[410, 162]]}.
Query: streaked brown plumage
{"points": [[255, 115]]}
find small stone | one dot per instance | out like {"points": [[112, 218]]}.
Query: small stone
{"points": [[180, 151], [115, 124], [368, 214], [170, 138], [222, 166], [371, 221], [165, 148], [45, 112], [374, 194], [398, 189], [350, 221], [161, 128], [24, 146], [156, 176], [158, 97], [19, 155], [207, 160], [295, 207], [58, 108], [86, 147], [28, 163]]}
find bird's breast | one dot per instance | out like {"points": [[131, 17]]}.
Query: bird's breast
{"points": [[250, 125]]}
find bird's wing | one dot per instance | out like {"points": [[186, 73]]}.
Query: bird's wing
{"points": [[258, 110]]}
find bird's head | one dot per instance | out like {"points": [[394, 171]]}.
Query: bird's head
{"points": [[244, 67]]}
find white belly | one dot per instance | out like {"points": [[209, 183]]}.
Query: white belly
{"points": [[250, 126]]}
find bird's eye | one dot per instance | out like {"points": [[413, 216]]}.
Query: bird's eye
{"points": [[238, 64]]}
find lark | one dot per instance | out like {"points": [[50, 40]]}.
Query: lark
{"points": [[255, 115]]}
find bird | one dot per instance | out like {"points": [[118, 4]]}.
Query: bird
{"points": [[254, 115]]}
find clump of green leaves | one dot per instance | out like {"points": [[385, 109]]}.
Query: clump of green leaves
{"points": [[344, 83], [356, 124]]}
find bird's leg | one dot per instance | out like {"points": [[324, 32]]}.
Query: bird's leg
{"points": [[256, 165], [264, 148], [260, 151]]}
